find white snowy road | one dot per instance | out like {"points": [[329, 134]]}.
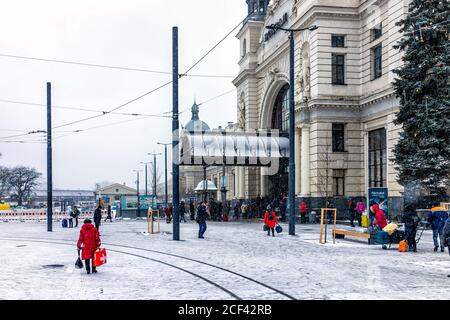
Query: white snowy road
{"points": [[235, 261]]}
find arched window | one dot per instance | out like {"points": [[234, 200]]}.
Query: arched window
{"points": [[280, 118]]}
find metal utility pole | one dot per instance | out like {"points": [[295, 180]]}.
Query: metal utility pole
{"points": [[49, 160], [175, 126], [165, 170], [154, 172], [146, 177], [291, 122], [138, 212]]}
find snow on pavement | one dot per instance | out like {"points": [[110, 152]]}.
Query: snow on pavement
{"points": [[296, 265]]}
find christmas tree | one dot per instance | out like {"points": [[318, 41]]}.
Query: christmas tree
{"points": [[422, 155]]}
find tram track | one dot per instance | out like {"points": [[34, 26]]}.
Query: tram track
{"points": [[221, 287]]}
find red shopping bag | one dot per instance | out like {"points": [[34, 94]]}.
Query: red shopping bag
{"points": [[99, 257]]}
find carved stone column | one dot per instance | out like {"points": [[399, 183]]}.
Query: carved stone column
{"points": [[298, 160], [305, 161]]}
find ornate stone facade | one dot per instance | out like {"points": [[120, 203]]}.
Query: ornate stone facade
{"points": [[338, 93]]}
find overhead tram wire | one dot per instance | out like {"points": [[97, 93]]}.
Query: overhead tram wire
{"points": [[185, 74], [109, 66], [77, 108], [160, 87], [214, 47], [138, 117], [116, 108]]}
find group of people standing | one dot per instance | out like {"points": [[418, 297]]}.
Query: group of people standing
{"points": [[72, 214]]}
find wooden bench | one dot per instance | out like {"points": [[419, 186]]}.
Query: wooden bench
{"points": [[352, 233]]}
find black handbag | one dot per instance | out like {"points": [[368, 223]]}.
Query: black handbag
{"points": [[79, 263], [265, 227]]}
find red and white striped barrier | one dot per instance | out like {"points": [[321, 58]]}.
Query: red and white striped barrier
{"points": [[38, 215]]}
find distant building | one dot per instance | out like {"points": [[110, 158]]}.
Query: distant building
{"points": [[114, 192], [73, 196]]}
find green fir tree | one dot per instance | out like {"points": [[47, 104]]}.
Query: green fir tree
{"points": [[422, 155]]}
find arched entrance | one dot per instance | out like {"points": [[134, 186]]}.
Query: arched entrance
{"points": [[278, 183]]}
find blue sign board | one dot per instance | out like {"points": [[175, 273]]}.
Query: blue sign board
{"points": [[379, 196]]}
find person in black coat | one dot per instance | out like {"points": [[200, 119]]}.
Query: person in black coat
{"points": [[76, 214], [201, 219], [192, 210], [411, 221], [109, 214], [98, 217]]}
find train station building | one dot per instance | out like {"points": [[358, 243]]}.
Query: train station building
{"points": [[344, 101]]}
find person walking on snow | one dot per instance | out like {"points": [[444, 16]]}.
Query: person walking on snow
{"points": [[446, 234], [351, 206], [182, 211], [192, 210], [98, 217], [109, 214], [437, 220], [76, 214], [411, 221], [303, 208], [270, 220], [69, 214], [88, 243], [201, 220]]}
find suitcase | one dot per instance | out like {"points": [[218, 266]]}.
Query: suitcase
{"points": [[99, 257], [64, 223], [365, 221]]}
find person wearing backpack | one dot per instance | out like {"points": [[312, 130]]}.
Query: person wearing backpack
{"points": [[270, 220]]}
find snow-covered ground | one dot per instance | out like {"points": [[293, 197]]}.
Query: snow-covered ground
{"points": [[261, 267]]}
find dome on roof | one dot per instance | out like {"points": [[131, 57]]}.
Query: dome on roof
{"points": [[210, 186], [195, 124]]}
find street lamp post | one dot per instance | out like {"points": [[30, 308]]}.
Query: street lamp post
{"points": [[138, 200], [291, 188], [146, 177], [165, 170], [154, 172]]}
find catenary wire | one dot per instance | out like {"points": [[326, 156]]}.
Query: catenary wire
{"points": [[108, 66]]}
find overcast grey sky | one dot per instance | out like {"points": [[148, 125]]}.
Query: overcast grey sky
{"points": [[134, 34]]}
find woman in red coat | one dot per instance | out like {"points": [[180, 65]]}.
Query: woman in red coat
{"points": [[380, 218], [303, 208], [90, 240], [270, 220]]}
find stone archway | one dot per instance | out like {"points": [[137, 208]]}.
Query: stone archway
{"points": [[265, 122], [265, 116]]}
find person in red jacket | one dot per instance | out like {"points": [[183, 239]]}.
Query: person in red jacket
{"points": [[88, 242], [270, 220], [303, 208], [380, 218]]}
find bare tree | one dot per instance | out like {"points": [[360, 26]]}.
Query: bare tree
{"points": [[323, 168], [4, 181], [23, 181]]}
